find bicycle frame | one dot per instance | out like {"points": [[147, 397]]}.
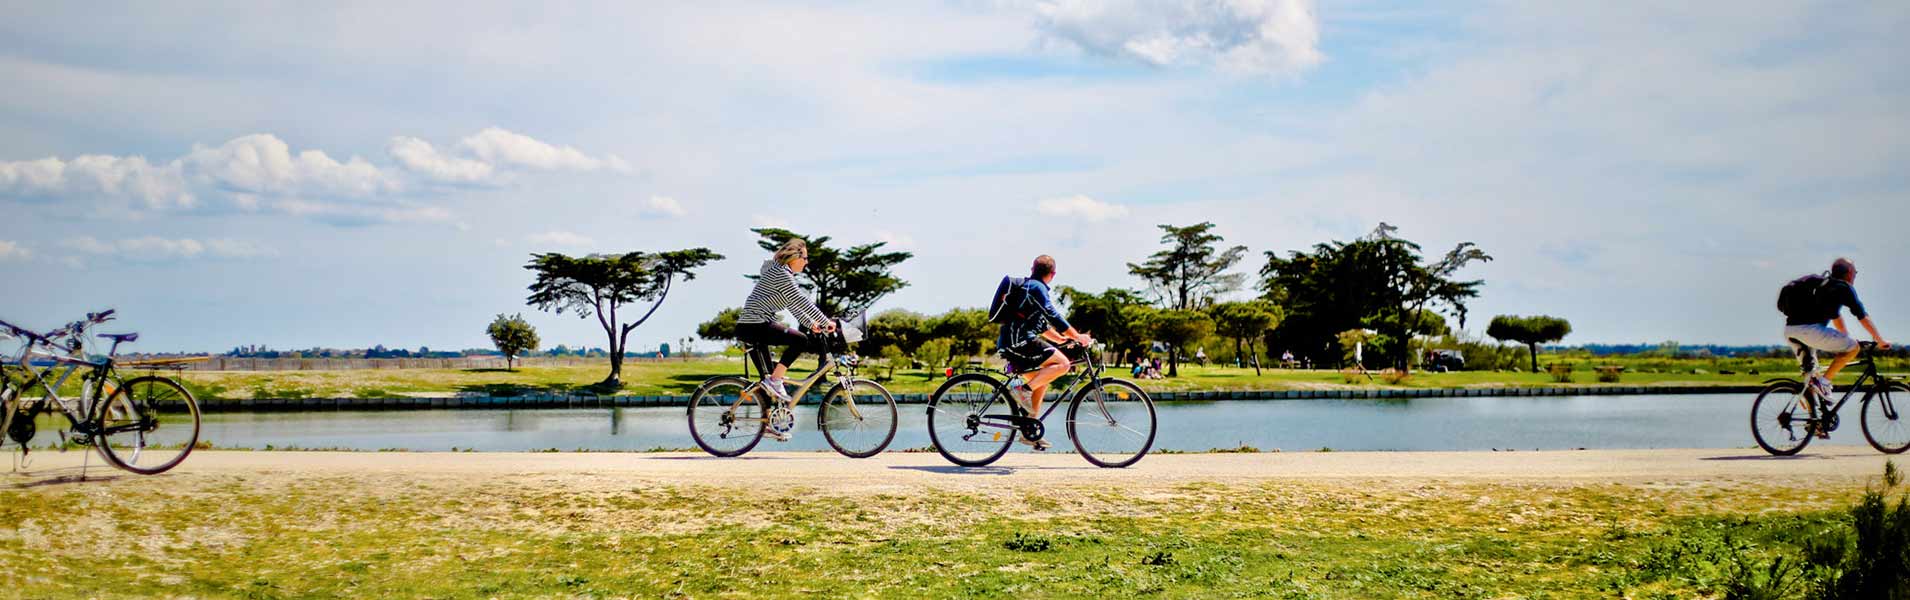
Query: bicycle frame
{"points": [[1091, 375], [94, 383], [832, 364], [1878, 384]]}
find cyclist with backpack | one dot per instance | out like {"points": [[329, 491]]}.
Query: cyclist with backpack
{"points": [[1810, 305], [1030, 328]]}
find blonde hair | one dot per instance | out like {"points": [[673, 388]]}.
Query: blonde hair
{"points": [[792, 249]]}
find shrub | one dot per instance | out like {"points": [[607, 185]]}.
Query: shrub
{"points": [[1394, 376], [1610, 373], [1561, 372]]}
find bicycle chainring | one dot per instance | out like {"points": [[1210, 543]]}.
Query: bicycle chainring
{"points": [[22, 429], [781, 420]]}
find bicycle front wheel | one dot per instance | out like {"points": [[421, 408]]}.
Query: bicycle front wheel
{"points": [[1112, 423], [963, 420], [724, 420], [858, 420], [1779, 420], [1885, 424], [147, 426]]}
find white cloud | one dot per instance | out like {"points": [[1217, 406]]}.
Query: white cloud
{"points": [[1248, 36], [264, 164], [351, 215], [418, 156], [560, 238], [13, 251], [121, 180], [499, 147], [662, 207], [1081, 207], [153, 249]]}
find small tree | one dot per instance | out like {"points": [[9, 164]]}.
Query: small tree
{"points": [[600, 285], [1246, 323], [1178, 328], [1531, 331], [513, 337], [967, 330], [721, 327]]}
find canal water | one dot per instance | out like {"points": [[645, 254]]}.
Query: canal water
{"points": [[1485, 423]]}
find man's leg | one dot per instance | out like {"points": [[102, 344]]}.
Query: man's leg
{"points": [[1051, 369], [1837, 364]]}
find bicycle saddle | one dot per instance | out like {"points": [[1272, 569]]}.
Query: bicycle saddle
{"points": [[121, 337]]}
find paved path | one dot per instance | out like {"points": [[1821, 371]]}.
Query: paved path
{"points": [[897, 471]]}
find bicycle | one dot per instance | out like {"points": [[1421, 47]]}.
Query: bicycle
{"points": [[145, 425], [1885, 425], [1118, 413], [729, 414]]}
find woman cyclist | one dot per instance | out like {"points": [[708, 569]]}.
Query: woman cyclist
{"points": [[760, 325]]}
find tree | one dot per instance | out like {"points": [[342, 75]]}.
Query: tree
{"points": [[721, 327], [1115, 317], [895, 328], [599, 285], [1531, 331], [1376, 282], [842, 280], [1178, 328], [966, 329], [1191, 271], [513, 337], [1245, 322]]}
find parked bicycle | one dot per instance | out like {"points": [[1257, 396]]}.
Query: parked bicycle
{"points": [[146, 424], [972, 421], [1783, 424], [729, 414]]}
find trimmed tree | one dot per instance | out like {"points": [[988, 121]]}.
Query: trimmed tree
{"points": [[1192, 270], [1178, 328], [601, 285], [1245, 323], [842, 279], [721, 327], [513, 337], [1115, 317], [1531, 331]]}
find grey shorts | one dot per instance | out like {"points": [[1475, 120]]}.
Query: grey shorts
{"points": [[1806, 339]]}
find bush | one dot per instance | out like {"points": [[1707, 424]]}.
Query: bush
{"points": [[1610, 373], [1394, 376], [1561, 372]]}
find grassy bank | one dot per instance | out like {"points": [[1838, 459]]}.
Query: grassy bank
{"points": [[681, 377], [519, 536]]}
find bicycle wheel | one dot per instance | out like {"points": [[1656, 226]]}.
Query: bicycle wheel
{"points": [[960, 426], [147, 426], [723, 421], [859, 421], [1111, 423], [1885, 424], [1778, 421]]}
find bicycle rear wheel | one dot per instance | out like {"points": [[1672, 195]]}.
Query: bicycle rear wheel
{"points": [[959, 421], [1779, 422], [723, 421], [1886, 426], [1112, 423], [859, 421], [147, 426]]}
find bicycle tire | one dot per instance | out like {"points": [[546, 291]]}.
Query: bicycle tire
{"points": [[1898, 426], [728, 434], [1782, 408], [870, 416], [951, 408], [132, 418], [1114, 396]]}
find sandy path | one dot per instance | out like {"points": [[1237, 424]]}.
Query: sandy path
{"points": [[907, 471]]}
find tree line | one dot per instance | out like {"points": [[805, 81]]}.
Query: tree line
{"points": [[1379, 286]]}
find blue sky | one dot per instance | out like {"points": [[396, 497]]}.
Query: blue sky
{"points": [[350, 174]]}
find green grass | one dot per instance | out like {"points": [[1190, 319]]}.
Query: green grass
{"points": [[682, 377], [230, 536]]}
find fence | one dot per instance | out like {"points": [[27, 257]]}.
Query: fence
{"points": [[220, 363]]}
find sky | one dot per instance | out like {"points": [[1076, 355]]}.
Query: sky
{"points": [[342, 174]]}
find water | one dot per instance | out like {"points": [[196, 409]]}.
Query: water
{"points": [[1522, 423]]}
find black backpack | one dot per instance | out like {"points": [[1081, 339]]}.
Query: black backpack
{"points": [[1799, 297], [1009, 296]]}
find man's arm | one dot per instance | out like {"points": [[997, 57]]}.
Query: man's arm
{"points": [[1872, 328]]}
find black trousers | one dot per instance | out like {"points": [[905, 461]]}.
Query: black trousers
{"points": [[760, 336]]}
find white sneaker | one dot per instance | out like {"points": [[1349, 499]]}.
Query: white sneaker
{"points": [[1821, 386], [776, 389], [1038, 445], [1023, 397]]}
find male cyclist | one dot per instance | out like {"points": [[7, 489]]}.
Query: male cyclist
{"points": [[1028, 337], [1806, 327]]}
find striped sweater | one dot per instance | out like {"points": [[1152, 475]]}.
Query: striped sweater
{"points": [[776, 292]]}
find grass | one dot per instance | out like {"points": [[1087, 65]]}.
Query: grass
{"points": [[682, 377], [243, 536]]}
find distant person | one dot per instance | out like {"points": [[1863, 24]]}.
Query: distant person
{"points": [[1200, 356], [1286, 360], [1028, 340], [760, 324], [1810, 305]]}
